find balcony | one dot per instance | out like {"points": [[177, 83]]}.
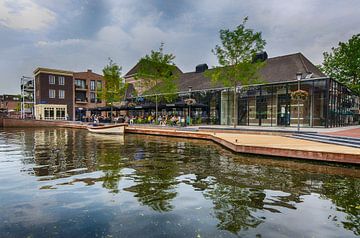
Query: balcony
{"points": [[81, 100], [81, 87]]}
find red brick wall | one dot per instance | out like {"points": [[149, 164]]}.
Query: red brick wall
{"points": [[11, 122]]}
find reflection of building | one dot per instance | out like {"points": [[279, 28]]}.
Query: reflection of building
{"points": [[329, 103], [62, 95]]}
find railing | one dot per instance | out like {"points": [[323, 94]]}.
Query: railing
{"points": [[81, 87], [81, 100]]}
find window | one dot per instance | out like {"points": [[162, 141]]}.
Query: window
{"points": [[92, 97], [51, 79], [51, 93], [49, 113], [61, 94], [99, 85], [61, 80], [261, 107], [80, 83], [60, 114], [92, 85]]}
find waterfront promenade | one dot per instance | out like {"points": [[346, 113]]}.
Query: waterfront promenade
{"points": [[251, 140], [263, 142]]}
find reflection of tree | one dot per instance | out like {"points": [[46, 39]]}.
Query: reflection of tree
{"points": [[155, 191], [155, 177], [109, 162], [235, 206], [345, 193]]}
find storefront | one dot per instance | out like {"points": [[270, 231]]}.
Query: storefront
{"points": [[327, 104], [51, 112]]}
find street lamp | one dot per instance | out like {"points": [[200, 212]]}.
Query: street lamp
{"points": [[298, 77], [190, 88]]}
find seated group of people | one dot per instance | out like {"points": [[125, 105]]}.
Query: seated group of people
{"points": [[169, 120]]}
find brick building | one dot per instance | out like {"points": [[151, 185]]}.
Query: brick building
{"points": [[65, 95], [9, 105]]}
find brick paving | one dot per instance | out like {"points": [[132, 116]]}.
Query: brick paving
{"points": [[348, 133]]}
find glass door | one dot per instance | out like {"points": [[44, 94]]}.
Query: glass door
{"points": [[283, 111]]}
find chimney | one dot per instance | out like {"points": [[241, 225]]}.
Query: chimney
{"points": [[89, 71], [201, 68], [260, 57]]}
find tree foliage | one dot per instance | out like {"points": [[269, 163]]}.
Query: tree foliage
{"points": [[343, 63], [158, 73], [235, 56], [115, 88]]}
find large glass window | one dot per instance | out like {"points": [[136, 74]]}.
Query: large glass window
{"points": [[60, 114], [261, 107], [49, 113]]}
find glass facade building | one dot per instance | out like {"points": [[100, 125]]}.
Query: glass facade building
{"points": [[328, 104]]}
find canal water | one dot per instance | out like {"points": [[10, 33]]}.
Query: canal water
{"points": [[70, 183]]}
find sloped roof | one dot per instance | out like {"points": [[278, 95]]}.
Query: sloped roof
{"points": [[134, 70], [277, 69], [87, 75]]}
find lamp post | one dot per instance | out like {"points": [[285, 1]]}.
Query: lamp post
{"points": [[298, 77], [190, 88]]}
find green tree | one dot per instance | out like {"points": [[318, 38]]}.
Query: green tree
{"points": [[115, 88], [236, 58], [158, 74], [343, 63]]}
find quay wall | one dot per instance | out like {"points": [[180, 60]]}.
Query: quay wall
{"points": [[258, 150], [18, 123]]}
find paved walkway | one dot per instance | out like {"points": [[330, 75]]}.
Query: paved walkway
{"points": [[353, 132], [276, 145]]}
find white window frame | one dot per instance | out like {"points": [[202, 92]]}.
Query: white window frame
{"points": [[61, 94], [51, 79], [61, 80], [93, 85], [52, 93]]}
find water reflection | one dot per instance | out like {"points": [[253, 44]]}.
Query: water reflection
{"points": [[205, 189]]}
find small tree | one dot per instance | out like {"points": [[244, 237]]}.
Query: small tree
{"points": [[158, 74], [236, 58], [343, 63], [115, 88]]}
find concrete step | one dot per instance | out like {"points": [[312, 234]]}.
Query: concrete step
{"points": [[329, 139], [350, 140]]}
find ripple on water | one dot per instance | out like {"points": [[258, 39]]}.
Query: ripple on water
{"points": [[70, 183]]}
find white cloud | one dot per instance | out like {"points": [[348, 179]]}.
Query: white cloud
{"points": [[61, 43], [134, 27], [24, 15]]}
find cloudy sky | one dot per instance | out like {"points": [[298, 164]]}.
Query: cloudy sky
{"points": [[81, 34]]}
